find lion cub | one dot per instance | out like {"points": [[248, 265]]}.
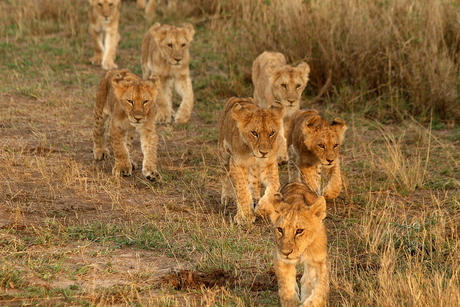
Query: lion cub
{"points": [[314, 143], [103, 29], [129, 103], [165, 53], [248, 146], [297, 215], [274, 80]]}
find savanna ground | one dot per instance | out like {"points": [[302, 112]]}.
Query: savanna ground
{"points": [[71, 234]]}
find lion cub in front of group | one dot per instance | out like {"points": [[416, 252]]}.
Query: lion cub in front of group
{"points": [[165, 53], [248, 146], [297, 215], [314, 143], [129, 103], [274, 80], [103, 29]]}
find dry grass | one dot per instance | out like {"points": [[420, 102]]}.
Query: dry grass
{"points": [[72, 234]]}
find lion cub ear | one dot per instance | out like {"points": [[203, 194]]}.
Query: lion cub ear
{"points": [[152, 81], [156, 32], [277, 109], [242, 112], [310, 124], [190, 30], [339, 125], [270, 205], [319, 208], [304, 68]]}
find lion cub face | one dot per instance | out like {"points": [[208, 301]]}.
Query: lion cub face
{"points": [[135, 96], [324, 139], [289, 83], [105, 9], [297, 216], [173, 42], [259, 128]]}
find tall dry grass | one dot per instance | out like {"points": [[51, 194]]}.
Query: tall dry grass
{"points": [[388, 58]]}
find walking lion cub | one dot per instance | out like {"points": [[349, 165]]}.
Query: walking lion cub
{"points": [[314, 143], [129, 104], [165, 53], [248, 146], [297, 215], [103, 29], [274, 80]]}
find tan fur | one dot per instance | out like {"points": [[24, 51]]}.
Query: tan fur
{"points": [[149, 6], [103, 29], [274, 80], [165, 53], [297, 215], [248, 146], [314, 143], [129, 104]]}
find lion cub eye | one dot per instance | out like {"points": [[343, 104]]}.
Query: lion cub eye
{"points": [[321, 146], [169, 45], [283, 86], [183, 45], [336, 145], [271, 134], [299, 231], [297, 86], [130, 102], [279, 229], [145, 102], [255, 134]]}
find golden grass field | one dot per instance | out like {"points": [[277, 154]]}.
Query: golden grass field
{"points": [[71, 234]]}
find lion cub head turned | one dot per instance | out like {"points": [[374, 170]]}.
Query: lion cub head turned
{"points": [[259, 128], [136, 96], [296, 215], [289, 82], [173, 42], [322, 137], [106, 10]]}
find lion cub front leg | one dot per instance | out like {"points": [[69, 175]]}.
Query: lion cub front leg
{"points": [[149, 144], [314, 284], [239, 175], [185, 90], [98, 46], [110, 49], [164, 102], [334, 185], [287, 284], [311, 176], [123, 166]]}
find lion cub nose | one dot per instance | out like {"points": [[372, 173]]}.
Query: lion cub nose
{"points": [[330, 160], [263, 153], [287, 252]]}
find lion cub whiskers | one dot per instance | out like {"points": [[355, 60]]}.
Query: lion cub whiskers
{"points": [[297, 215]]}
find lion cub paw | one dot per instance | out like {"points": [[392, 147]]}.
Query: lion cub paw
{"points": [[101, 153], [96, 60], [241, 219], [109, 65], [152, 175], [122, 170]]}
